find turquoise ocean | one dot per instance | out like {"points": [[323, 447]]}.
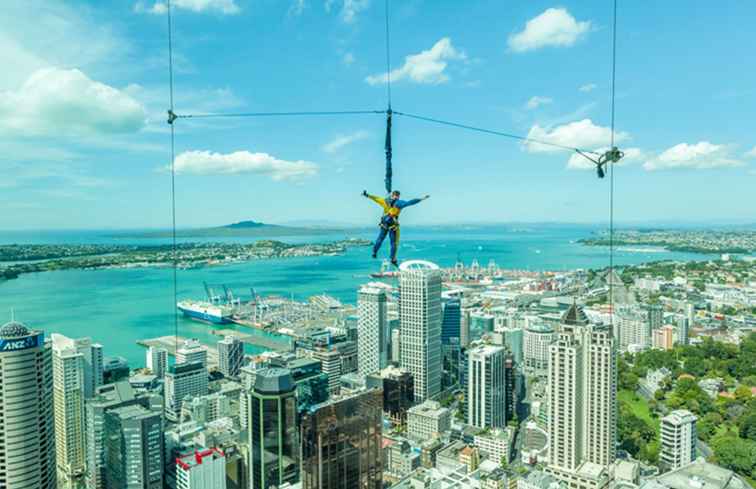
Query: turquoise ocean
{"points": [[120, 306]]}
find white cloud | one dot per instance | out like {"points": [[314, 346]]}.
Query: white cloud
{"points": [[554, 27], [241, 162], [425, 67], [225, 7], [536, 101], [699, 155], [588, 87], [751, 153], [57, 102], [349, 9], [344, 140], [579, 162], [577, 134]]}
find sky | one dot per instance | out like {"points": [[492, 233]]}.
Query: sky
{"points": [[84, 141]]}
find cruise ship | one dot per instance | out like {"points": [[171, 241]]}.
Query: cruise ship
{"points": [[204, 311]]}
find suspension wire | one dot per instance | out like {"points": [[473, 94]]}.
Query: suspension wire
{"points": [[171, 120], [388, 57], [611, 167], [495, 133], [279, 114]]}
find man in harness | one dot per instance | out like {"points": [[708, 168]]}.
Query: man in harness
{"points": [[392, 207]]}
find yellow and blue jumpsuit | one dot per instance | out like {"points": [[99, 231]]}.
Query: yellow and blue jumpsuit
{"points": [[390, 221]]}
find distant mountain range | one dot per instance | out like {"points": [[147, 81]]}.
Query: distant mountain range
{"points": [[240, 229]]}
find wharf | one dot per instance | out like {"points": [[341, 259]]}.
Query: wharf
{"points": [[258, 340], [169, 344]]}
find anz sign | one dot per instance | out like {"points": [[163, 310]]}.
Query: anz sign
{"points": [[21, 344]]}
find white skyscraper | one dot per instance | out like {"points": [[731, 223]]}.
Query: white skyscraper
{"points": [[396, 345], [230, 356], [27, 438], [202, 470], [183, 381], [157, 361], [93, 365], [68, 389], [372, 330], [582, 394], [486, 387], [192, 351], [537, 338], [678, 439], [420, 318]]}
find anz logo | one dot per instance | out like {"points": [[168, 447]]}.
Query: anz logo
{"points": [[14, 345]]}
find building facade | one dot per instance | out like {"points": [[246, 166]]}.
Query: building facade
{"points": [[678, 440], [204, 469], [27, 437], [427, 420], [342, 443], [230, 356], [372, 330], [272, 425], [582, 395], [486, 387], [68, 395], [420, 319], [192, 351], [182, 381], [134, 448], [537, 338], [157, 361]]}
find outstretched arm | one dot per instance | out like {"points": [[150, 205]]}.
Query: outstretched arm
{"points": [[378, 200], [406, 203]]}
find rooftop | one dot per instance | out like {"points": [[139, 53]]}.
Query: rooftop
{"points": [[14, 329], [575, 316], [274, 381], [700, 475], [187, 462]]}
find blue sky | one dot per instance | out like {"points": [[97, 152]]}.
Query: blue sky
{"points": [[84, 143]]}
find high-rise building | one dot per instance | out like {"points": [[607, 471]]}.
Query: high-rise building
{"points": [[420, 317], [396, 346], [464, 328], [398, 393], [308, 376], [330, 361], [451, 322], [107, 397], [537, 338], [664, 337], [192, 351], [683, 326], [342, 443], [655, 316], [182, 381], [230, 356], [678, 439], [68, 394], [94, 368], [27, 437], [632, 330], [204, 469], [372, 330], [273, 434], [582, 395], [134, 448], [157, 361], [514, 339], [486, 387]]}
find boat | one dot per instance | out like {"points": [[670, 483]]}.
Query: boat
{"points": [[205, 311]]}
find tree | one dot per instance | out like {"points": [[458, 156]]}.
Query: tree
{"points": [[735, 454], [747, 426]]}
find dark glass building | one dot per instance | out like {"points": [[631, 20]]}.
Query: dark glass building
{"points": [[341, 443], [273, 434], [451, 321], [398, 392]]}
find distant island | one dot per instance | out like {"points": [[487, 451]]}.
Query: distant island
{"points": [[23, 259], [238, 229], [688, 241]]}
